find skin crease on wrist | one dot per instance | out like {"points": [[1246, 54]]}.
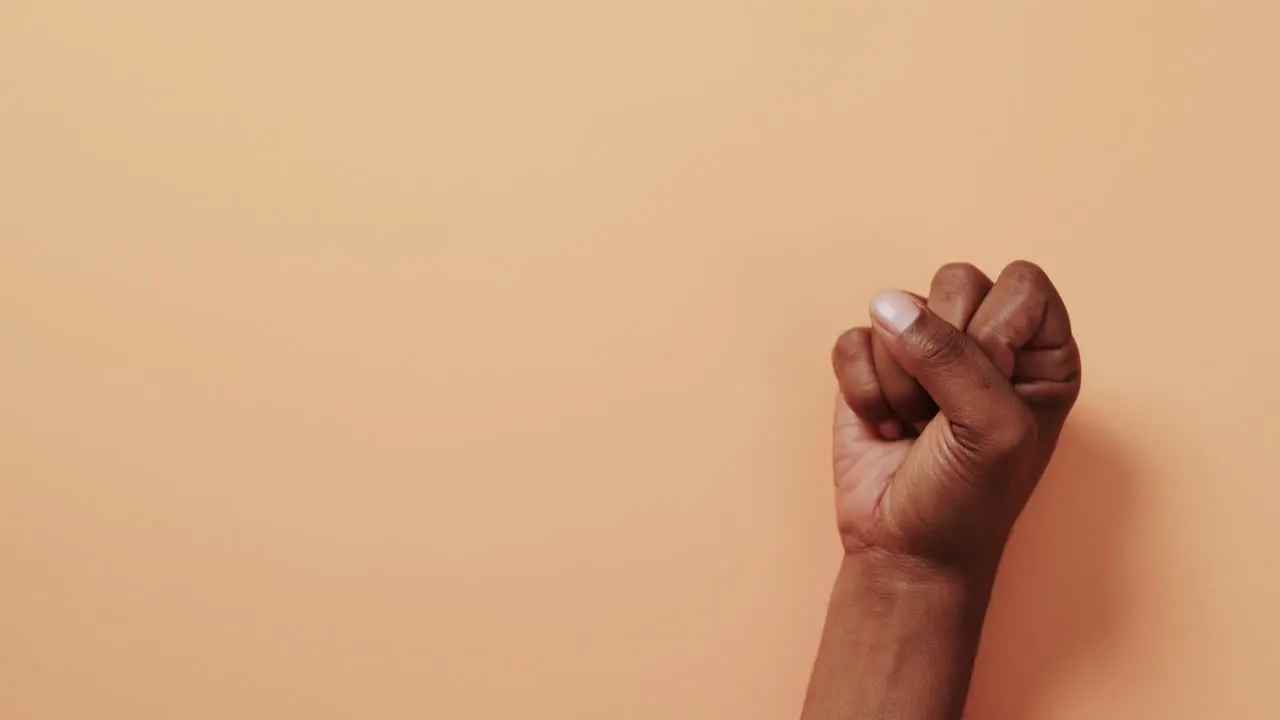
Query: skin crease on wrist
{"points": [[950, 407]]}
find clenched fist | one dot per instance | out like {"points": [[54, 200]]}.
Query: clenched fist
{"points": [[950, 407]]}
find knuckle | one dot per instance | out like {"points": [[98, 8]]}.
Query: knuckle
{"points": [[1010, 435], [1025, 272], [987, 335], [865, 402], [955, 273], [942, 345], [851, 344], [1062, 363], [1014, 329], [851, 358], [957, 279]]}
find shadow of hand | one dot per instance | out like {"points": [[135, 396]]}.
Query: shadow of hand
{"points": [[1056, 602]]}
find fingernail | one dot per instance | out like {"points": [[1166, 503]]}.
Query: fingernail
{"points": [[896, 310], [890, 430]]}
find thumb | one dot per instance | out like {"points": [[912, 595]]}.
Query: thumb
{"points": [[986, 415]]}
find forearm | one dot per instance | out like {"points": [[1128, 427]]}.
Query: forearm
{"points": [[899, 642]]}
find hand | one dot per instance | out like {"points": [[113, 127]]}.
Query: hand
{"points": [[999, 361]]}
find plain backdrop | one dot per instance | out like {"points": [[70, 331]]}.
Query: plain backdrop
{"points": [[469, 360]]}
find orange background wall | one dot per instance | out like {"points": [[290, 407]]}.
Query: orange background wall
{"points": [[469, 359]]}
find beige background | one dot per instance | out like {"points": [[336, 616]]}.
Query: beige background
{"points": [[469, 359]]}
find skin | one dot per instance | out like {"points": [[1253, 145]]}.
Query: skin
{"points": [[943, 427]]}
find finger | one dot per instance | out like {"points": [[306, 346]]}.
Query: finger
{"points": [[1023, 310], [1023, 326], [1049, 380], [852, 360], [983, 409], [955, 294], [910, 403], [1061, 364]]}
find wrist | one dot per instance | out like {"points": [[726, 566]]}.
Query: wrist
{"points": [[893, 581], [900, 641]]}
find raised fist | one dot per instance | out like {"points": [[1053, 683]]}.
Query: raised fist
{"points": [[950, 407]]}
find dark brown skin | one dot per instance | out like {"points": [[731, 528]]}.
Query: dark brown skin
{"points": [[949, 410]]}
